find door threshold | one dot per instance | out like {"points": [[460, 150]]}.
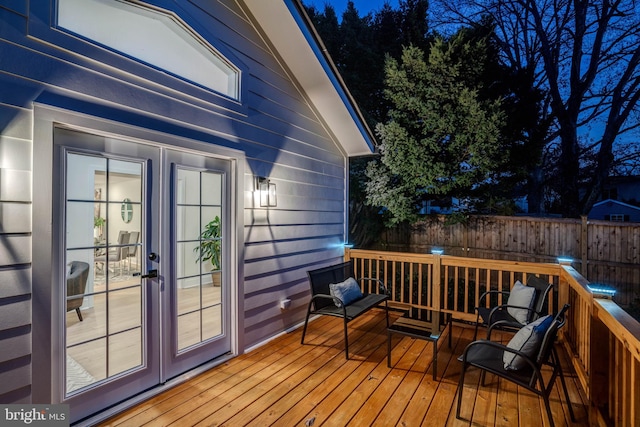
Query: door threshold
{"points": [[152, 392]]}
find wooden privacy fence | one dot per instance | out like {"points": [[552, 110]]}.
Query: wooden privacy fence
{"points": [[603, 340], [602, 251]]}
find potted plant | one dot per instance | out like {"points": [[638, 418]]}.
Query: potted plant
{"points": [[98, 223], [210, 248]]}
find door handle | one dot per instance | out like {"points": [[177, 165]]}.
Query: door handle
{"points": [[150, 275]]}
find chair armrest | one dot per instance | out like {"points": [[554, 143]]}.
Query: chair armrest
{"points": [[381, 287], [332, 298], [502, 347], [323, 296], [490, 292], [505, 307]]}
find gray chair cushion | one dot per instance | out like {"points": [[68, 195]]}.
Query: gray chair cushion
{"points": [[527, 340], [345, 292], [520, 296]]}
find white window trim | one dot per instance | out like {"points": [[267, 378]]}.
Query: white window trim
{"points": [[153, 36]]}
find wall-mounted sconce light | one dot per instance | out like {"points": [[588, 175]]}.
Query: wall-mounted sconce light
{"points": [[267, 192]]}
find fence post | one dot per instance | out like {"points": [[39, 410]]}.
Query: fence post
{"points": [[465, 240]]}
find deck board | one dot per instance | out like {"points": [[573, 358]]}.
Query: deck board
{"points": [[284, 383]]}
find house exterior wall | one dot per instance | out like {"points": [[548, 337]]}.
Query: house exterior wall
{"points": [[623, 188], [274, 125], [603, 211]]}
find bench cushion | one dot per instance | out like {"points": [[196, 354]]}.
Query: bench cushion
{"points": [[345, 292]]}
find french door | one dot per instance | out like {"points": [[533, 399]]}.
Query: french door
{"points": [[146, 260], [197, 323]]}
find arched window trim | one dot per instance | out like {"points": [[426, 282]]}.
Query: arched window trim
{"points": [[135, 9]]}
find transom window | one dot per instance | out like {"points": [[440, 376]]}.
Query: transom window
{"points": [[153, 37]]}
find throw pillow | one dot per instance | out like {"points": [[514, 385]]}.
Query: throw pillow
{"points": [[520, 296], [347, 292], [527, 340]]}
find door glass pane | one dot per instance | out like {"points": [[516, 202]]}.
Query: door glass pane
{"points": [[104, 299], [198, 207]]}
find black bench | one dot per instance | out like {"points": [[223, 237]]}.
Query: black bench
{"points": [[322, 303]]}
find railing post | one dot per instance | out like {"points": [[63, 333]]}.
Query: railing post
{"points": [[347, 253], [563, 285], [599, 366], [436, 285]]}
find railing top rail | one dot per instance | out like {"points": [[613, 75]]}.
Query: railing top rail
{"points": [[454, 261], [391, 256], [620, 323], [503, 265], [576, 281]]}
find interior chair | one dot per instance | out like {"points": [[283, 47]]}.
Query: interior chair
{"points": [[524, 304], [77, 285], [116, 255], [521, 361], [132, 250]]}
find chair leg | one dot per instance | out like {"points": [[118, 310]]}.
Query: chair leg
{"points": [[548, 406], [435, 359], [475, 332], [346, 339], [564, 387], [388, 349], [306, 321], [79, 314], [460, 387], [386, 312]]}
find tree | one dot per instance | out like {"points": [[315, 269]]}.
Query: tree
{"points": [[358, 47], [442, 137], [586, 58]]}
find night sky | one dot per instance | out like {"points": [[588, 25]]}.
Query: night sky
{"points": [[363, 6]]}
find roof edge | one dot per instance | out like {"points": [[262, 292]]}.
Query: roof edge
{"points": [[315, 41]]}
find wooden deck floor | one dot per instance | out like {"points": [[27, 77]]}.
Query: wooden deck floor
{"points": [[285, 383]]}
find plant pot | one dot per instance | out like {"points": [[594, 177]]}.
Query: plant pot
{"points": [[216, 278]]}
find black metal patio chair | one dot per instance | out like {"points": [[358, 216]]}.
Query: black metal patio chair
{"points": [[513, 316], [522, 360]]}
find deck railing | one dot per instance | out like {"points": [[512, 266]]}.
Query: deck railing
{"points": [[602, 339]]}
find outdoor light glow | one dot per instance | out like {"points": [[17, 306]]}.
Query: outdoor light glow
{"points": [[565, 260], [601, 289], [437, 251], [267, 190]]}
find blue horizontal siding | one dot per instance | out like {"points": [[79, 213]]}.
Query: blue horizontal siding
{"points": [[273, 125]]}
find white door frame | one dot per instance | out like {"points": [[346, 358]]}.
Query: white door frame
{"points": [[47, 302]]}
